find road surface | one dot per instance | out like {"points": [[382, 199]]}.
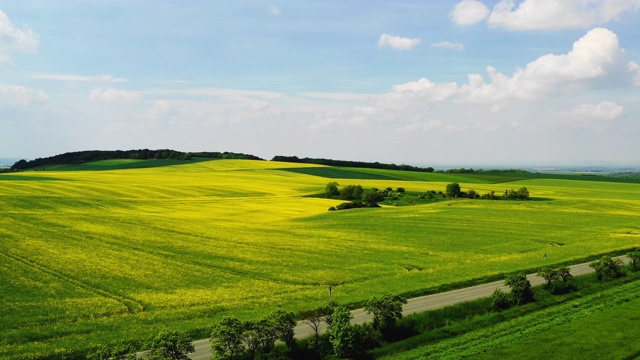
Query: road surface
{"points": [[414, 305]]}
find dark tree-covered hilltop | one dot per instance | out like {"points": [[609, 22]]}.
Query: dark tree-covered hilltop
{"points": [[81, 157], [347, 163]]}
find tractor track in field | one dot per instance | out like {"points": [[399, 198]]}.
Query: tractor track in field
{"points": [[132, 305]]}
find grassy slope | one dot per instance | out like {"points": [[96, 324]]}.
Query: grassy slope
{"points": [[610, 334], [97, 256], [599, 325]]}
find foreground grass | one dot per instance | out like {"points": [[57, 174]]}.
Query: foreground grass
{"points": [[97, 256], [598, 321]]}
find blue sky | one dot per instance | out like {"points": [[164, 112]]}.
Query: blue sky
{"points": [[420, 82]]}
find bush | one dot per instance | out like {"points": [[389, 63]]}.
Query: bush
{"points": [[351, 192], [371, 197], [607, 268], [500, 300], [521, 292]]}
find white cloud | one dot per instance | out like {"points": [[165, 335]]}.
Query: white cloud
{"points": [[79, 78], [554, 14], [448, 45], [469, 12], [336, 96], [397, 43], [634, 69], [114, 95], [598, 116], [20, 95], [274, 10], [14, 40], [593, 56], [491, 104]]}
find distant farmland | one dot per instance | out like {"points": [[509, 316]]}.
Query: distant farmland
{"points": [[125, 248]]}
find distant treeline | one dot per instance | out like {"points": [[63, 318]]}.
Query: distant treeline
{"points": [[481, 171], [347, 163], [81, 157]]}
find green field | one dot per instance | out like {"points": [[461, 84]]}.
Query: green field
{"points": [[596, 326], [109, 253]]}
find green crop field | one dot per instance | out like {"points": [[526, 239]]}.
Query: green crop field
{"points": [[120, 251]]}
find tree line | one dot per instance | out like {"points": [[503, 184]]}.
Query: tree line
{"points": [[81, 157], [347, 163], [558, 280]]}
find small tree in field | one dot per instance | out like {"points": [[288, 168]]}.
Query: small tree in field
{"points": [[520, 289], [332, 189], [453, 190], [549, 275]]}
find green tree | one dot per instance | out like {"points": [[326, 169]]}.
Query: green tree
{"points": [[226, 338], [386, 311], [341, 333], [634, 257], [332, 189], [523, 193], [607, 268], [250, 337], [472, 194], [265, 335], [315, 317], [521, 292], [351, 192], [549, 275], [564, 274], [284, 324], [500, 300], [453, 190], [170, 345], [371, 197]]}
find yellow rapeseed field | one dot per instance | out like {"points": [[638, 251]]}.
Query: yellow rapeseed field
{"points": [[88, 257]]}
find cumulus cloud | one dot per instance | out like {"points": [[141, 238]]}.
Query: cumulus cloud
{"points": [[397, 42], [493, 100], [469, 12], [273, 10], [554, 15], [20, 95], [592, 57], [14, 40], [597, 116], [114, 95], [448, 45], [80, 78]]}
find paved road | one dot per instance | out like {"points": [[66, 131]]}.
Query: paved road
{"points": [[414, 305]]}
